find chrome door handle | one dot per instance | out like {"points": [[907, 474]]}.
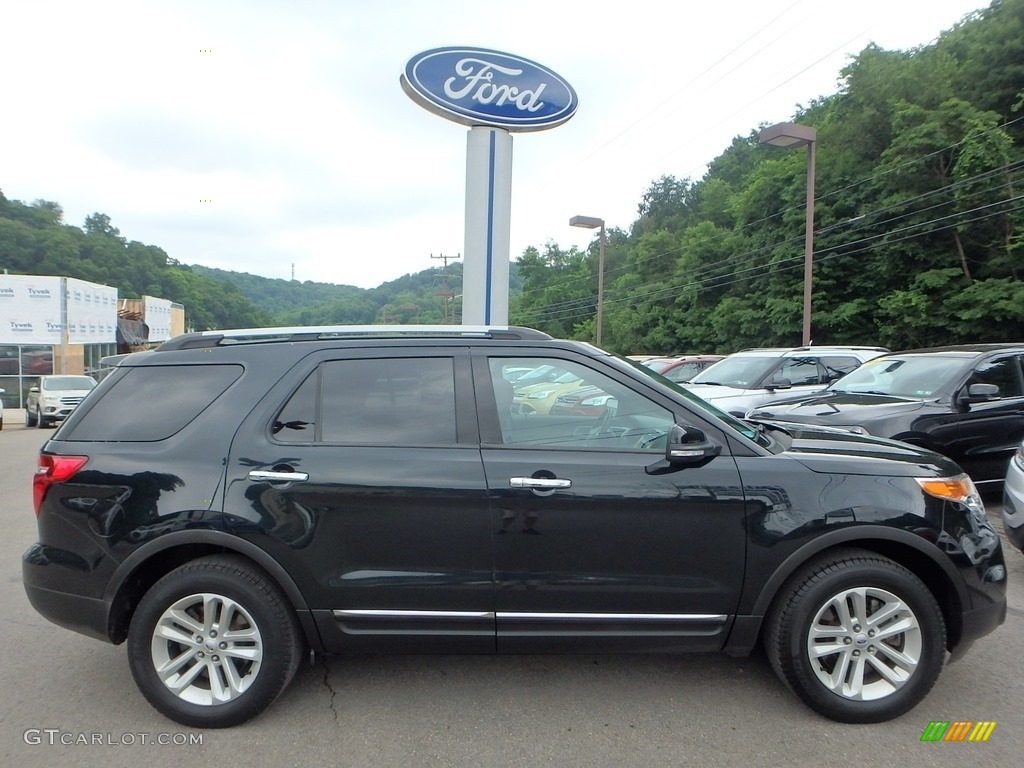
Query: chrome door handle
{"points": [[539, 483], [278, 477]]}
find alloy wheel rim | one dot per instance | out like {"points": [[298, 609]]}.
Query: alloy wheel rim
{"points": [[864, 643], [207, 649]]}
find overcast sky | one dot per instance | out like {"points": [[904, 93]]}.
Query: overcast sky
{"points": [[264, 136]]}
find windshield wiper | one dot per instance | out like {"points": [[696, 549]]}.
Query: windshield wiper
{"points": [[766, 426]]}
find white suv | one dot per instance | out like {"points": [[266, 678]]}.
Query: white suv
{"points": [[754, 377], [54, 398]]}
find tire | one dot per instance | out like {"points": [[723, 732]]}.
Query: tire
{"points": [[883, 624], [40, 421], [213, 680], [30, 420]]}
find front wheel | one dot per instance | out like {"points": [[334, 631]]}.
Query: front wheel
{"points": [[213, 643], [858, 637]]}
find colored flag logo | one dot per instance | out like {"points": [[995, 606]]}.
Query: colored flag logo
{"points": [[958, 730]]}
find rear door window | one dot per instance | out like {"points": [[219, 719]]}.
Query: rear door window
{"points": [[379, 401]]}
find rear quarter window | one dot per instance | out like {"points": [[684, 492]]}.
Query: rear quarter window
{"points": [[152, 403]]}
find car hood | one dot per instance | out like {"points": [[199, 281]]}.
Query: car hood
{"points": [[845, 408], [711, 392], [826, 449], [66, 392], [737, 401]]}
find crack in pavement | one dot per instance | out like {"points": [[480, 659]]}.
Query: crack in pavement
{"points": [[329, 687]]}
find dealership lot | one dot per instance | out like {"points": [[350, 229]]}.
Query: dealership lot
{"points": [[70, 698]]}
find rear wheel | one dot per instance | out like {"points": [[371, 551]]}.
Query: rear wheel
{"points": [[213, 643], [858, 637]]}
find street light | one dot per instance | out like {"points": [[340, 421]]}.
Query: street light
{"points": [[789, 135], [591, 222]]}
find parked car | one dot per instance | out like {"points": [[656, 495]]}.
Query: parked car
{"points": [[344, 491], [587, 400], [759, 376], [54, 398], [538, 398], [538, 375], [965, 402], [1013, 499], [683, 367]]}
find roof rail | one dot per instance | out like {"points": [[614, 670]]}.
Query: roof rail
{"points": [[317, 333]]}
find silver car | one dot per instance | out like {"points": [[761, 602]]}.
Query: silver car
{"points": [[756, 377], [1013, 500]]}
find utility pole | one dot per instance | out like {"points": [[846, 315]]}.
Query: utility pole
{"points": [[447, 294]]}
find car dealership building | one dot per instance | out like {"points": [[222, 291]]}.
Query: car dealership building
{"points": [[54, 324]]}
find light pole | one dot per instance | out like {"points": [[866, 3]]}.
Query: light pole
{"points": [[591, 222], [788, 135]]}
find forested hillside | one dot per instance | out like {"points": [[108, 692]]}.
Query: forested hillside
{"points": [[918, 230], [918, 223], [34, 240]]}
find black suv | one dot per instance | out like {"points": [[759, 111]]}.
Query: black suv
{"points": [[233, 499], [965, 402]]}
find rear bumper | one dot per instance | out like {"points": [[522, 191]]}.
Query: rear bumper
{"points": [[79, 613]]}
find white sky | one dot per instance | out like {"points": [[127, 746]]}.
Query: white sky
{"points": [[288, 117]]}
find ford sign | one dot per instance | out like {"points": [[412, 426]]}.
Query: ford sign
{"points": [[476, 86]]}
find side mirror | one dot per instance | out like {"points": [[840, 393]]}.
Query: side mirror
{"points": [[33, 388], [979, 393], [778, 384], [689, 446]]}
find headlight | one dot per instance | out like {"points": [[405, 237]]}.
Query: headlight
{"points": [[598, 400], [540, 395], [959, 489]]}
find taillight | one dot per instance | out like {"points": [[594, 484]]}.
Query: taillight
{"points": [[53, 469]]}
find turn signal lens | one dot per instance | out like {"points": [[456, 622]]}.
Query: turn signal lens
{"points": [[959, 488]]}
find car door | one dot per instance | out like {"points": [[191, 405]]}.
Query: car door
{"points": [[600, 544], [990, 429], [361, 474]]}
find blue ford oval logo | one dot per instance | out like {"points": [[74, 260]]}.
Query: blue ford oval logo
{"points": [[477, 86]]}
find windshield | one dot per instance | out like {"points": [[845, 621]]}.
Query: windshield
{"points": [[537, 375], [741, 371], [658, 365], [567, 378], [70, 382], [903, 376]]}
